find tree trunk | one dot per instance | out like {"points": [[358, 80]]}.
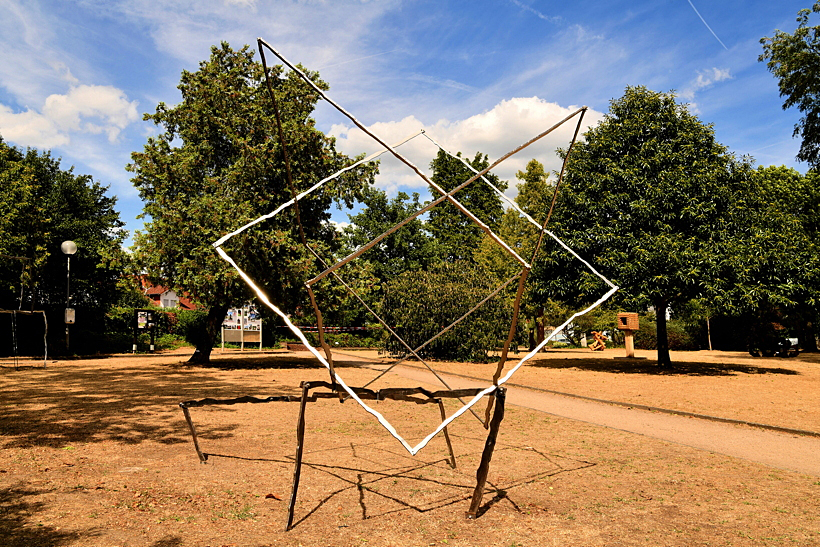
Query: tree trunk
{"points": [[539, 325], [663, 339], [216, 315], [806, 337]]}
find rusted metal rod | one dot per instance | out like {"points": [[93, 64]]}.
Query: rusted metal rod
{"points": [[487, 455], [447, 435], [300, 446]]}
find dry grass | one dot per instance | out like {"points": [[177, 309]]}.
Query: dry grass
{"points": [[97, 452]]}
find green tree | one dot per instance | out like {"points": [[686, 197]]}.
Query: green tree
{"points": [[794, 59], [647, 199], [779, 267], [421, 303], [411, 247], [216, 165], [455, 234], [42, 205], [534, 197]]}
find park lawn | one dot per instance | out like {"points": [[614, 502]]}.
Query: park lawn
{"points": [[96, 452]]}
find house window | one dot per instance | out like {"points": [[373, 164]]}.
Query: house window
{"points": [[170, 300]]}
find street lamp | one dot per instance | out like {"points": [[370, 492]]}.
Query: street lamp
{"points": [[68, 248]]}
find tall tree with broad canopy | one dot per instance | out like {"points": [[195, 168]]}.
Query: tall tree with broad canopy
{"points": [[218, 164], [794, 59], [456, 235], [784, 272], [42, 205], [408, 248], [647, 197], [535, 193]]}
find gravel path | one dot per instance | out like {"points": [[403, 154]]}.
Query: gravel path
{"points": [[780, 450]]}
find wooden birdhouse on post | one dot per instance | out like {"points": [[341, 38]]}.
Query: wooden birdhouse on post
{"points": [[628, 322]]}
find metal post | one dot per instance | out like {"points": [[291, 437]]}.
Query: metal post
{"points": [[67, 294], [486, 456], [300, 445]]}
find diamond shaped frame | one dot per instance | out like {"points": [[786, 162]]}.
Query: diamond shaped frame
{"points": [[445, 196]]}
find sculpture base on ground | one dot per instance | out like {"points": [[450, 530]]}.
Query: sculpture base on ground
{"points": [[416, 395]]}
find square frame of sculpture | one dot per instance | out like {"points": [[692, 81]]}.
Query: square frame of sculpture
{"points": [[495, 391]]}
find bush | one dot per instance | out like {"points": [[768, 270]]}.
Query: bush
{"points": [[419, 304], [190, 325], [679, 337]]}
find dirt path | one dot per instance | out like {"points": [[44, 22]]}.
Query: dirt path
{"points": [[784, 451]]}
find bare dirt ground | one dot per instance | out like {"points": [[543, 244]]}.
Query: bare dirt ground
{"points": [[97, 453], [734, 385]]}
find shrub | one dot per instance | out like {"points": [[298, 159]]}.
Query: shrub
{"points": [[419, 304], [190, 325], [677, 334]]}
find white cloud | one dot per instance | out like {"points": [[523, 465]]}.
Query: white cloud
{"points": [[495, 132], [705, 79], [186, 29], [247, 3], [64, 73], [90, 109], [30, 128], [339, 226], [104, 103], [525, 7]]}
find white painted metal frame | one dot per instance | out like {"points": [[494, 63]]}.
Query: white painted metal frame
{"points": [[445, 196]]}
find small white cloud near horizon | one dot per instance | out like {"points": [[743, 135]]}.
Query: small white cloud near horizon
{"points": [[339, 226], [30, 128], [92, 109]]}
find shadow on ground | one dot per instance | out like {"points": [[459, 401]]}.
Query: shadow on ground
{"points": [[16, 517], [650, 367], [392, 485], [281, 361], [58, 406]]}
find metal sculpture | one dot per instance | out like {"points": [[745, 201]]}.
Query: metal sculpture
{"points": [[337, 387]]}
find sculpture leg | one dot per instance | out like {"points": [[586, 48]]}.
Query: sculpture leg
{"points": [[447, 435], [300, 444], [486, 456], [202, 457]]}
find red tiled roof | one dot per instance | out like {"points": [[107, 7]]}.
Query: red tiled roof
{"points": [[154, 292]]}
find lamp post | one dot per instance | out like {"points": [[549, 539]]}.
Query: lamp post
{"points": [[68, 248]]}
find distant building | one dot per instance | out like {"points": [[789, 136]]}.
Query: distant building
{"points": [[163, 297]]}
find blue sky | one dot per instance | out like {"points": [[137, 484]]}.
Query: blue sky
{"points": [[76, 77]]}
